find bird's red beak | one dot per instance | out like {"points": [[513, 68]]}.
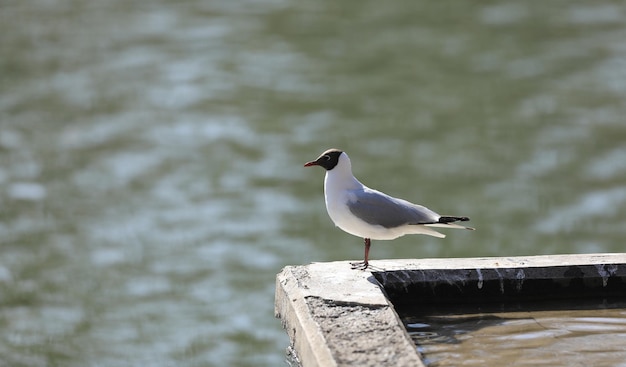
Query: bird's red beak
{"points": [[311, 163]]}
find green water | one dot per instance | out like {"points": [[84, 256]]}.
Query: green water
{"points": [[151, 179]]}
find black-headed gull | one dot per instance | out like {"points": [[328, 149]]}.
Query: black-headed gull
{"points": [[371, 214]]}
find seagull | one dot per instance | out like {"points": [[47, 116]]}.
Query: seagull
{"points": [[371, 214]]}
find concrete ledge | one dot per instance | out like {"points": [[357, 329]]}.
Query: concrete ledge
{"points": [[336, 316], [505, 280]]}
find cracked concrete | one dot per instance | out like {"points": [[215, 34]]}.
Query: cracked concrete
{"points": [[365, 331]]}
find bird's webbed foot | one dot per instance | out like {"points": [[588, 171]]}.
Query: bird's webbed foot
{"points": [[360, 265]]}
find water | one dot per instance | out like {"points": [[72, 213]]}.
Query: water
{"points": [[151, 179], [547, 337]]}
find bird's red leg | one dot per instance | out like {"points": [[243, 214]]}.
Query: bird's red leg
{"points": [[364, 264], [368, 243]]}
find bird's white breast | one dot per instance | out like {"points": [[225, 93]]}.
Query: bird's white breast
{"points": [[340, 189]]}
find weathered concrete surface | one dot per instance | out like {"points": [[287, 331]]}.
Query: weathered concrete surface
{"points": [[506, 279], [336, 316]]}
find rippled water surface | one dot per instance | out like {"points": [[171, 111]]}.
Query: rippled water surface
{"points": [[151, 179], [540, 338]]}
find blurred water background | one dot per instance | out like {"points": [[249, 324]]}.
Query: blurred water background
{"points": [[151, 179]]}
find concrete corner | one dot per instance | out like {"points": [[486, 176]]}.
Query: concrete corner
{"points": [[336, 316]]}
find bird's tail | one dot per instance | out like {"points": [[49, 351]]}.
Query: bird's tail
{"points": [[448, 222]]}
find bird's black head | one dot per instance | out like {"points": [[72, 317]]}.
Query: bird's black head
{"points": [[328, 159]]}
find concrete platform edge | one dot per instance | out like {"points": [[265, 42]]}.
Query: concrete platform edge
{"points": [[336, 316], [291, 308]]}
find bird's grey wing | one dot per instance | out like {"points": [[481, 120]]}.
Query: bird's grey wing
{"points": [[377, 208]]}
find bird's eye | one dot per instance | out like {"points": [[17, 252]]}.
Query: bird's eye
{"points": [[326, 157]]}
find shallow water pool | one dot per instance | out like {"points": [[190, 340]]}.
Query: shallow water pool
{"points": [[549, 337]]}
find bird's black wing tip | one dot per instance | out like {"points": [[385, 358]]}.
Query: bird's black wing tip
{"points": [[451, 219]]}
